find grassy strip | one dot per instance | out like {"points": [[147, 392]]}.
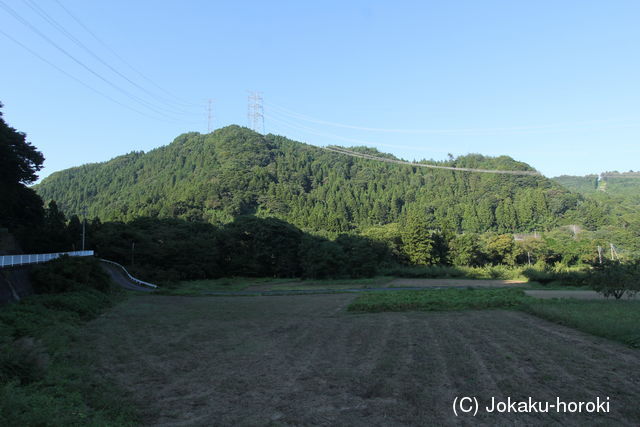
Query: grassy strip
{"points": [[615, 320], [438, 300], [228, 284], [44, 380], [239, 284], [495, 272]]}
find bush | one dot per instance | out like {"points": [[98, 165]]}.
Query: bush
{"points": [[547, 276], [40, 384], [616, 279], [67, 274]]}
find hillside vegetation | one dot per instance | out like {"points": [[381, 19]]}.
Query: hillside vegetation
{"points": [[234, 171]]}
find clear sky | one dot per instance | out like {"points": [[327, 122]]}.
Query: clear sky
{"points": [[552, 83]]}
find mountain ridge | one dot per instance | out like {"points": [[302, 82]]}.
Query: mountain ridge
{"points": [[234, 171]]}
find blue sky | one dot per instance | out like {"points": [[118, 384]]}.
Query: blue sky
{"points": [[551, 83]]}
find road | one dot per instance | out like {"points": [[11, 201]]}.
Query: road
{"points": [[119, 277]]}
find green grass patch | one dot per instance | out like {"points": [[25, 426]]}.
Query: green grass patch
{"points": [[438, 300], [367, 283], [45, 377], [615, 320], [229, 284], [555, 286], [240, 284], [494, 272]]}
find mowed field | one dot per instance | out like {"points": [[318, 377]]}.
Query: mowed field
{"points": [[304, 360]]}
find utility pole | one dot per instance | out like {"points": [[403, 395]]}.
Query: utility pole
{"points": [[84, 222], [600, 254], [255, 112], [209, 116]]}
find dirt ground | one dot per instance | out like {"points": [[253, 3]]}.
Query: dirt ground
{"points": [[303, 360]]}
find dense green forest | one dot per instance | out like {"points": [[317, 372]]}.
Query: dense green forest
{"points": [[234, 171], [421, 215], [608, 187]]}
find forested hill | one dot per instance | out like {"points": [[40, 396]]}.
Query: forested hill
{"points": [[624, 184], [233, 171], [619, 192]]}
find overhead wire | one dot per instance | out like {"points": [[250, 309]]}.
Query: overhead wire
{"points": [[345, 151], [83, 65], [99, 92], [47, 17], [351, 153], [461, 131], [124, 61], [303, 128]]}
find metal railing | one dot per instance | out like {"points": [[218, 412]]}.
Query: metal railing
{"points": [[24, 259], [133, 279]]}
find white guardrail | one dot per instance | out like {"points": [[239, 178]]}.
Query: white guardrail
{"points": [[133, 279], [15, 260]]}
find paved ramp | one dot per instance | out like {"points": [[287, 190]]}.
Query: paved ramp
{"points": [[120, 276]]}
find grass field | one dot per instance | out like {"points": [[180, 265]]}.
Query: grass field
{"points": [[616, 320], [438, 300], [258, 285], [233, 284], [44, 379]]}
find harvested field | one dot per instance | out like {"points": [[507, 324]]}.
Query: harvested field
{"points": [[303, 360]]}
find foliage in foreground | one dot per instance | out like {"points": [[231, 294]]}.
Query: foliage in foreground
{"points": [[438, 300], [67, 274], [44, 380], [616, 320]]}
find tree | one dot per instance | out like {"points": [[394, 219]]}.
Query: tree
{"points": [[616, 279], [19, 162], [420, 243], [500, 248], [464, 249]]}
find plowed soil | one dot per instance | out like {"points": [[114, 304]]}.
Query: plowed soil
{"points": [[303, 360]]}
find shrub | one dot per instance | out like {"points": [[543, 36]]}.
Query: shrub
{"points": [[69, 274], [616, 279]]}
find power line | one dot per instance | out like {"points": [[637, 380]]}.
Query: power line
{"points": [[75, 78], [114, 53], [304, 128], [384, 159], [347, 152], [47, 39], [44, 15], [463, 131]]}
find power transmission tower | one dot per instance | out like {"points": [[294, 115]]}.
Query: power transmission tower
{"points": [[84, 224], [209, 115], [255, 112], [614, 252]]}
